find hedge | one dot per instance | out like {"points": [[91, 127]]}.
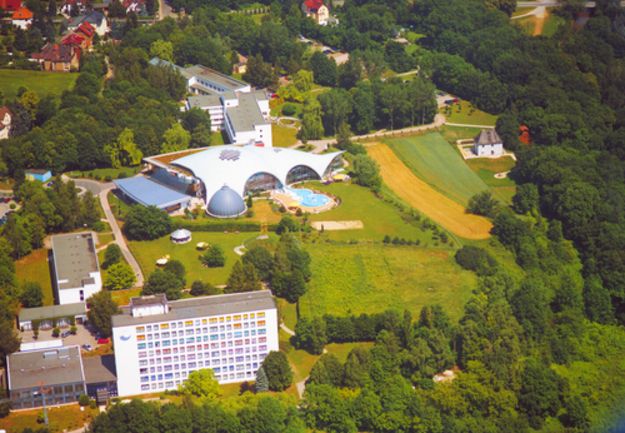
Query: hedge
{"points": [[224, 226]]}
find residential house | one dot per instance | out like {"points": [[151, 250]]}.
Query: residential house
{"points": [[136, 6], [22, 18], [316, 10], [488, 144], [82, 38], [58, 57], [95, 18], [5, 122], [72, 8], [10, 5]]}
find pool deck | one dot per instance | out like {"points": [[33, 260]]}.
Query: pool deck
{"points": [[292, 205]]}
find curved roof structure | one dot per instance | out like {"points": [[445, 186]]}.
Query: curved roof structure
{"points": [[181, 234], [232, 166], [225, 203]]}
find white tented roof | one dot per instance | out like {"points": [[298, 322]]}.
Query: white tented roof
{"points": [[234, 165]]}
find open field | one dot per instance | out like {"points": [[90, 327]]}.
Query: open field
{"points": [[62, 418], [379, 218], [374, 278], [486, 168], [446, 212], [465, 112], [43, 83], [437, 163], [34, 267], [147, 252], [283, 136]]}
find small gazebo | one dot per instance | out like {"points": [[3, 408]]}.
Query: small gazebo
{"points": [[181, 236]]}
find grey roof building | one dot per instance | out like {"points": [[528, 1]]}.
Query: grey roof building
{"points": [[76, 269], [52, 314], [100, 377], [56, 375], [191, 308]]}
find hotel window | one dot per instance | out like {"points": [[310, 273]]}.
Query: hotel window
{"points": [[221, 320], [140, 337], [261, 323], [212, 320], [141, 346], [262, 340], [237, 326], [261, 315], [245, 316], [237, 318], [145, 387], [143, 362], [140, 329], [252, 315], [164, 326], [143, 371], [262, 332], [204, 321]]}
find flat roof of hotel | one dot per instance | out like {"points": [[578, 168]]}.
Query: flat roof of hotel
{"points": [[75, 259], [202, 307], [45, 367], [52, 311], [247, 114]]}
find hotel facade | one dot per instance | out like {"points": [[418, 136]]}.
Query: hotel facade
{"points": [[158, 343]]}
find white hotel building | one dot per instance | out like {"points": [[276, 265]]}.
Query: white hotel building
{"points": [[158, 342]]}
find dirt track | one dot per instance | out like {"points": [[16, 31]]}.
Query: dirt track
{"points": [[424, 198]]}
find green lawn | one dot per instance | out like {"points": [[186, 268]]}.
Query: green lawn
{"points": [[464, 112], [435, 161], [34, 268], [378, 217], [283, 136], [372, 278], [147, 252], [552, 24], [43, 83], [486, 169]]}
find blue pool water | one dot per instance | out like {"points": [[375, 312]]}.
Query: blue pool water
{"points": [[308, 198]]}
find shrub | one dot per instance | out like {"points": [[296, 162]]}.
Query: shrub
{"points": [[83, 400], [5, 409], [483, 204], [108, 178], [73, 330], [12, 206], [122, 175], [146, 223], [98, 226], [200, 288], [213, 257], [112, 255], [279, 374], [287, 224], [289, 109], [477, 260], [56, 332]]}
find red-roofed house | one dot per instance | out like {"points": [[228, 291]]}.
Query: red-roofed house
{"points": [[5, 122], [58, 58], [10, 5], [22, 18], [75, 40], [316, 10], [86, 29]]}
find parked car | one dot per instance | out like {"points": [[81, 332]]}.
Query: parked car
{"points": [[103, 341], [87, 347], [65, 334]]}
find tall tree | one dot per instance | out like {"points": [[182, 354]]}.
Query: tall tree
{"points": [[101, 308]]}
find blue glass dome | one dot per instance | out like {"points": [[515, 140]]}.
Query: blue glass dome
{"points": [[225, 203]]}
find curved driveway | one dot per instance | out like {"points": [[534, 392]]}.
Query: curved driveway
{"points": [[101, 190]]}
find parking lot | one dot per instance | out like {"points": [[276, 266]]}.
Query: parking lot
{"points": [[83, 336]]}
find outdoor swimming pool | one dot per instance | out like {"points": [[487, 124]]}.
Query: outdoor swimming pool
{"points": [[308, 198]]}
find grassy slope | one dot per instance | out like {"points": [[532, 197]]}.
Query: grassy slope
{"points": [[147, 252], [34, 267], [432, 159], [43, 83], [373, 278], [283, 136], [379, 218], [461, 113], [485, 168]]}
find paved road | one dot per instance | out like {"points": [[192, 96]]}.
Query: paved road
{"points": [[101, 190], [320, 145], [119, 238], [552, 3]]}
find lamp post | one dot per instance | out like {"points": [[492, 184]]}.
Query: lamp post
{"points": [[42, 391]]}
